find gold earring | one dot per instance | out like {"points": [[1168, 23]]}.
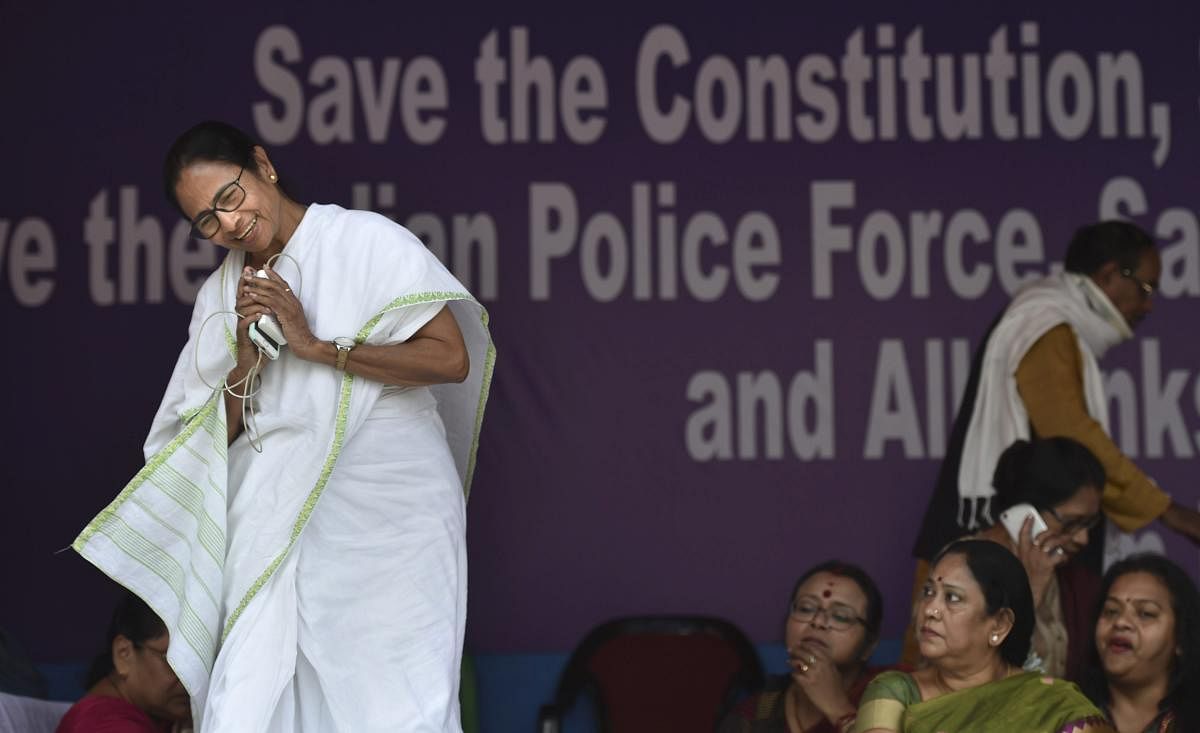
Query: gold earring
{"points": [[274, 178], [995, 638]]}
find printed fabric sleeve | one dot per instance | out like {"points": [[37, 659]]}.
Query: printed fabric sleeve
{"points": [[1090, 724], [1048, 379], [884, 702]]}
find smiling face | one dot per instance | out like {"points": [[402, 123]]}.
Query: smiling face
{"points": [[827, 612], [954, 622], [255, 225], [1135, 635], [147, 681]]}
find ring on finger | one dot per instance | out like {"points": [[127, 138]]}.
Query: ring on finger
{"points": [[803, 667]]}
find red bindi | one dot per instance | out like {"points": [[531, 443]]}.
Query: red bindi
{"points": [[826, 594]]}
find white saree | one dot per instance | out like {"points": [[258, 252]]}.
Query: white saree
{"points": [[321, 584]]}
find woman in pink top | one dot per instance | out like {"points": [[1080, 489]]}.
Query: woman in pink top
{"points": [[131, 688]]}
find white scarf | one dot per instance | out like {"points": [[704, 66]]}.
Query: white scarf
{"points": [[999, 417]]}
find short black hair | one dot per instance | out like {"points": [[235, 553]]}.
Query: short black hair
{"points": [[1044, 472], [874, 614], [1095, 245], [1004, 583], [211, 141], [1183, 689]]}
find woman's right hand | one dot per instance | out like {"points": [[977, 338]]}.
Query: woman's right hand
{"points": [[247, 353], [247, 358], [815, 672], [1040, 555]]}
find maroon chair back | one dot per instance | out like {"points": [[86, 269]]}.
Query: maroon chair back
{"points": [[657, 674]]}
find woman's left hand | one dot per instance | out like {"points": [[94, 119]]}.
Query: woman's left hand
{"points": [[814, 672], [275, 293]]}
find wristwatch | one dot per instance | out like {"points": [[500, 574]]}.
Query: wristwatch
{"points": [[344, 344]]}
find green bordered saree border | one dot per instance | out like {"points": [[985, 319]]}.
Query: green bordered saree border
{"points": [[195, 421], [199, 418], [339, 435]]}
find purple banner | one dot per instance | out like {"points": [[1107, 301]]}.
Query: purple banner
{"points": [[736, 264]]}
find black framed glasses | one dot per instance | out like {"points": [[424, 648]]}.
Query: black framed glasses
{"points": [[839, 617], [1075, 524], [228, 198], [160, 653], [1147, 289]]}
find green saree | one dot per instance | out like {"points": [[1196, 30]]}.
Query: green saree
{"points": [[1028, 702]]}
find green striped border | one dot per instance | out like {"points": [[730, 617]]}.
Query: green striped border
{"points": [[339, 435], [151, 466], [110, 524], [485, 388]]}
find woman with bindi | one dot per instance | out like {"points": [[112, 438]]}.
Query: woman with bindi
{"points": [[831, 629], [976, 619], [1146, 657], [1046, 503]]}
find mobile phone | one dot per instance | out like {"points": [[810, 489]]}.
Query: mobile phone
{"points": [[1013, 517], [265, 332]]}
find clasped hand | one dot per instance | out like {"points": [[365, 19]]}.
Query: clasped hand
{"points": [[273, 295]]}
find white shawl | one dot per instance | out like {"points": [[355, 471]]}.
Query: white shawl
{"points": [[164, 536], [999, 417]]}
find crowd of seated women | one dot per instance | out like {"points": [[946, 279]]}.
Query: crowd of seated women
{"points": [[1010, 631]]}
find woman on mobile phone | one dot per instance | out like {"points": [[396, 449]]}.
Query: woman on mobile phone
{"points": [[1048, 493]]}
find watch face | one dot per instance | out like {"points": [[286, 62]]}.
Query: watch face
{"points": [[344, 342]]}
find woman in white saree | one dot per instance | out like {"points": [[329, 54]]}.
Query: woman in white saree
{"points": [[310, 555]]}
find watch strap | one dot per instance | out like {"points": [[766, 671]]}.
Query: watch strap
{"points": [[343, 353]]}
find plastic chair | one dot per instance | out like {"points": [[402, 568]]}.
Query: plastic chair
{"points": [[656, 673]]}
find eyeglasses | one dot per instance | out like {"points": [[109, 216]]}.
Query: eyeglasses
{"points": [[228, 198], [1147, 289], [838, 617], [1075, 524], [161, 653]]}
